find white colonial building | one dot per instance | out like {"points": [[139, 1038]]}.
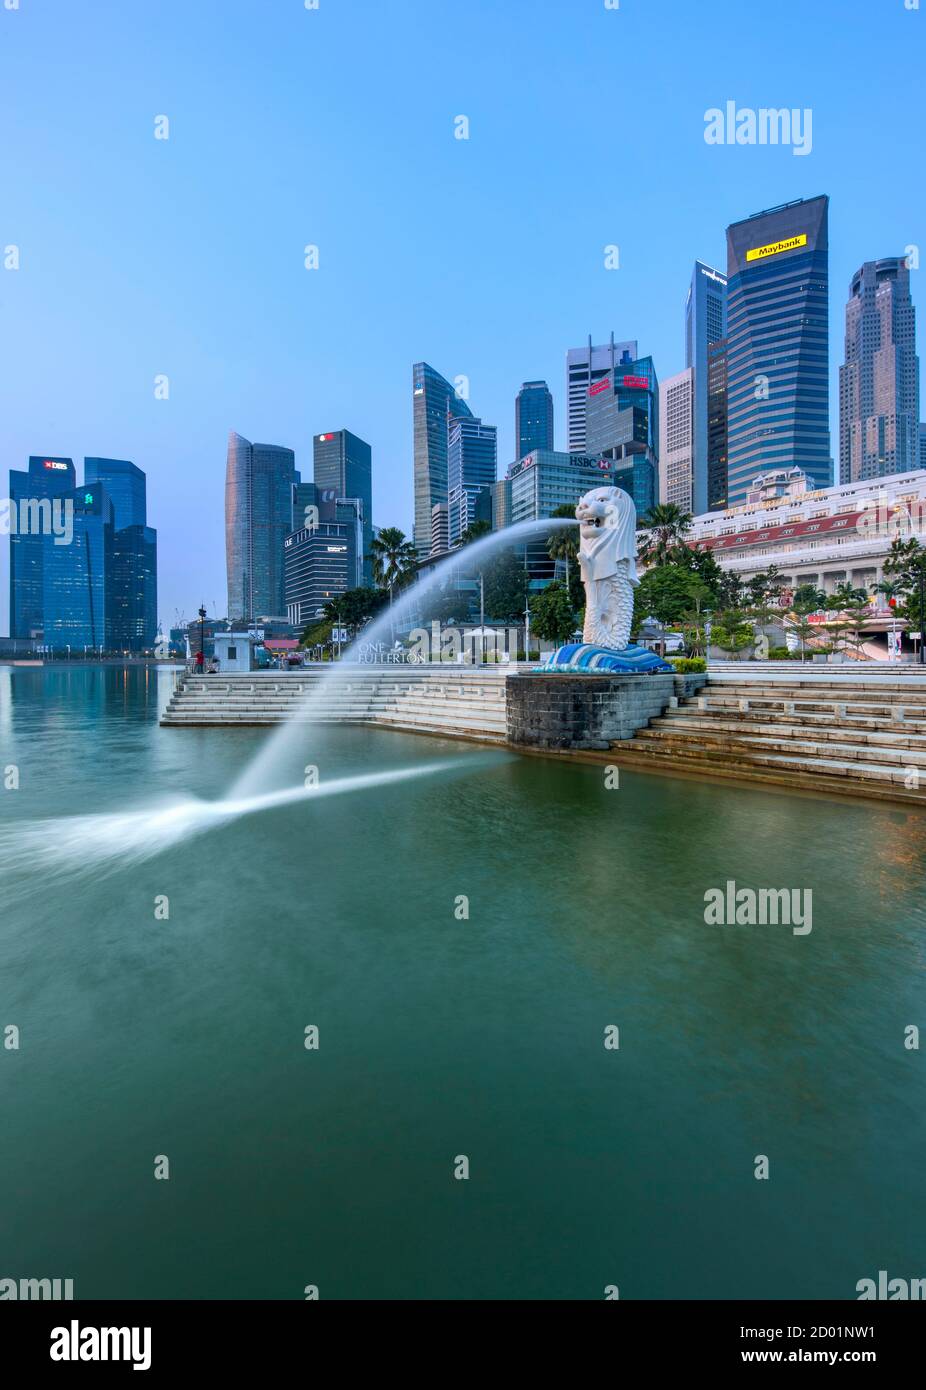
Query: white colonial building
{"points": [[821, 537]]}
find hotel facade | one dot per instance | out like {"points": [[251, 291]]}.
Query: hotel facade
{"points": [[824, 536]]}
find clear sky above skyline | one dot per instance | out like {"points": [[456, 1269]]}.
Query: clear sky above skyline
{"points": [[484, 257]]}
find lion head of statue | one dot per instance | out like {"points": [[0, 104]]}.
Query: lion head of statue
{"points": [[607, 532]]}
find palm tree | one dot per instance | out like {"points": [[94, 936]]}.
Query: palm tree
{"points": [[890, 591], [474, 532], [667, 525], [394, 558], [564, 542]]}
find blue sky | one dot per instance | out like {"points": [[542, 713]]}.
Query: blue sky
{"points": [[484, 257]]}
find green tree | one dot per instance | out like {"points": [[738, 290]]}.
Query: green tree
{"points": [[807, 599], [394, 558], [670, 592], [765, 588], [729, 589], [552, 614], [564, 545], [449, 605], [904, 566], [316, 634], [666, 525], [505, 580], [733, 635], [354, 607], [474, 532]]}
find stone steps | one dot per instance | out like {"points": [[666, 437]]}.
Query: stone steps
{"points": [[767, 772], [854, 730], [850, 740], [448, 703], [839, 750], [821, 766]]}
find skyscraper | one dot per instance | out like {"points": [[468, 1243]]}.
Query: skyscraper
{"points": [[434, 403], [471, 468], [705, 324], [533, 418], [125, 486], [622, 425], [717, 426], [259, 480], [31, 493], [676, 440], [440, 535], [584, 367], [343, 464], [879, 385], [320, 562], [777, 344], [132, 596], [77, 579], [133, 584]]}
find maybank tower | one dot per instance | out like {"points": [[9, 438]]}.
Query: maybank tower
{"points": [[778, 345]]}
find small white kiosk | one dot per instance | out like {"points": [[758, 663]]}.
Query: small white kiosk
{"points": [[234, 651]]}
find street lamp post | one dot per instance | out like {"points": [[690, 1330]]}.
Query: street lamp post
{"points": [[482, 620], [922, 616], [527, 632], [202, 637]]}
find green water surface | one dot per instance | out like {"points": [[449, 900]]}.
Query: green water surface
{"points": [[442, 1036]]}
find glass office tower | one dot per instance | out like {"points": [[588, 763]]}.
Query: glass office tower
{"points": [[533, 418], [125, 487], [320, 563], [879, 384], [77, 578], [132, 598], [343, 464], [705, 325], [547, 479], [31, 493], [778, 344], [434, 404], [622, 425], [585, 367], [259, 481], [472, 453], [717, 426], [134, 587]]}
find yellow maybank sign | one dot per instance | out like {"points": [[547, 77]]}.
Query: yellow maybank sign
{"points": [[758, 253]]}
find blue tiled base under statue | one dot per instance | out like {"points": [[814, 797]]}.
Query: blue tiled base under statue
{"points": [[585, 657]]}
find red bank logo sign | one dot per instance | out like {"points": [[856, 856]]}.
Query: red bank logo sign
{"points": [[634, 383], [52, 463], [599, 386]]}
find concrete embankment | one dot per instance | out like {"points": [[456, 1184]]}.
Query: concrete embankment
{"points": [[841, 732], [454, 702]]}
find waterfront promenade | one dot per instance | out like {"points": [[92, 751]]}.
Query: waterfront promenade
{"points": [[843, 730]]}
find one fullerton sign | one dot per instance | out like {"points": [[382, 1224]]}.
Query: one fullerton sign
{"points": [[791, 243]]}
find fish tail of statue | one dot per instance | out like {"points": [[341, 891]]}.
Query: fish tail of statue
{"points": [[609, 609]]}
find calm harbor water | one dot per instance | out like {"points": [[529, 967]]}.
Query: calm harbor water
{"points": [[442, 1037]]}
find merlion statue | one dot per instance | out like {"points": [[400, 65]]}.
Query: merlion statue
{"points": [[608, 560]]}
